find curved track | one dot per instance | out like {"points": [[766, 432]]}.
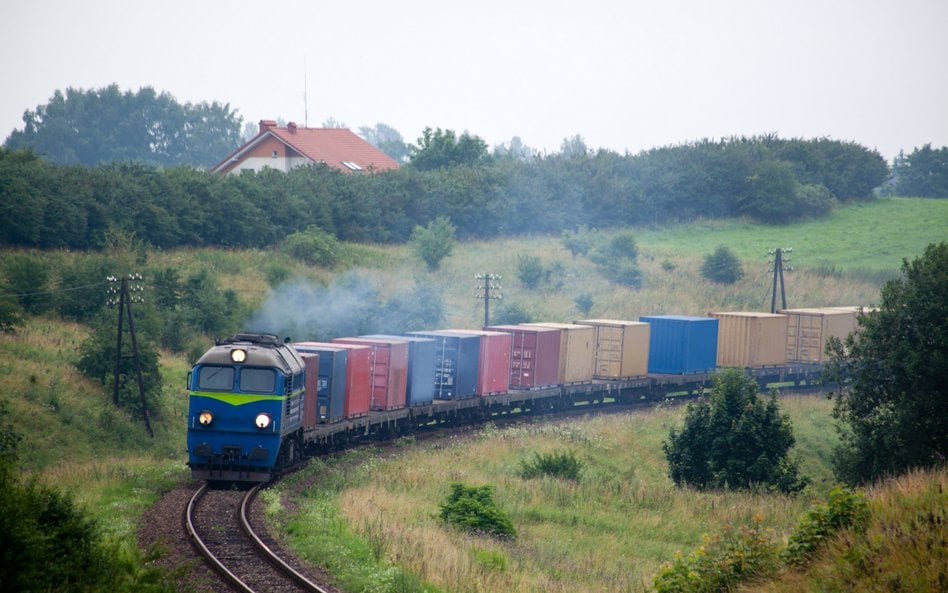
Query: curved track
{"points": [[219, 529]]}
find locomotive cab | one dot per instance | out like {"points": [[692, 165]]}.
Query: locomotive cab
{"points": [[245, 410]]}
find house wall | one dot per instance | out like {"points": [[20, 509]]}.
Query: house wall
{"points": [[262, 156]]}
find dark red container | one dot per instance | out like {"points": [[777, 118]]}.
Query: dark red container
{"points": [[493, 368], [389, 371], [358, 376], [534, 355], [311, 364]]}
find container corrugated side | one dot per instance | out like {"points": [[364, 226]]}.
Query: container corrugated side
{"points": [[389, 371], [349, 398], [311, 365], [331, 383], [534, 355], [751, 339], [622, 347], [493, 367], [421, 367], [577, 351], [808, 329], [680, 344], [456, 361]]}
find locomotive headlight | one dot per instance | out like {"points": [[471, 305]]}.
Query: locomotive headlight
{"points": [[262, 420], [205, 417], [238, 355]]}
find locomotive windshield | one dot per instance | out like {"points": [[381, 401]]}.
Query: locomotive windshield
{"points": [[215, 378], [257, 380], [249, 380]]}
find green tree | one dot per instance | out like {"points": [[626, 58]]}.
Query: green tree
{"points": [[923, 173], [734, 439], [313, 246], [530, 271], [433, 242], [891, 403], [722, 266], [437, 149], [387, 139]]}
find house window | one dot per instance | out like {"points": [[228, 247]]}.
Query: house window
{"points": [[352, 165], [274, 155]]}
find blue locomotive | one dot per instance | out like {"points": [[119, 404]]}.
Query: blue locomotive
{"points": [[245, 412]]}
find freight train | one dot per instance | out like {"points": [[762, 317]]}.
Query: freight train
{"points": [[258, 404]]}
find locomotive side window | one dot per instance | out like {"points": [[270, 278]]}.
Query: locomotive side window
{"points": [[257, 380], [216, 378]]}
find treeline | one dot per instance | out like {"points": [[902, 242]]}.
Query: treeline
{"points": [[766, 178]]}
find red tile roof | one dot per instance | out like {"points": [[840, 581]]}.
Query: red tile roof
{"points": [[333, 146]]}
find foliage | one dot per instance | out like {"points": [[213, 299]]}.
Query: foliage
{"points": [[577, 242], [511, 313], [313, 246], [923, 173], [472, 508], [618, 260], [584, 303], [734, 439], [439, 148], [845, 508], [892, 403], [102, 125], [721, 562], [28, 279], [530, 271], [433, 242], [722, 266], [387, 139], [558, 464], [11, 314]]}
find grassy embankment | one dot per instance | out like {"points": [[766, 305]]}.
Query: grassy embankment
{"points": [[75, 439]]}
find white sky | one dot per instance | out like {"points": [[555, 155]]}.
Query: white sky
{"points": [[625, 75]]}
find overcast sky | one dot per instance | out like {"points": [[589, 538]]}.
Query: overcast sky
{"points": [[624, 75]]}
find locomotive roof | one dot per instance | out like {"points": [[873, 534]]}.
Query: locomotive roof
{"points": [[259, 353]]}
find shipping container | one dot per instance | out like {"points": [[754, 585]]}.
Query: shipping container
{"points": [[681, 344], [456, 360], [311, 397], [809, 329], [751, 339], [534, 355], [493, 364], [577, 352], [621, 348], [421, 367], [389, 371], [355, 392]]}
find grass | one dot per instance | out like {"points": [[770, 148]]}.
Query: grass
{"points": [[624, 504]]}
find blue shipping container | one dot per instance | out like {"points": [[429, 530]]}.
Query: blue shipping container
{"points": [[331, 390], [682, 344], [421, 367], [456, 363]]}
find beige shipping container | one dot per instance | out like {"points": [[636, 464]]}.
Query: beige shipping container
{"points": [[809, 329], [621, 347], [577, 351], [751, 339]]}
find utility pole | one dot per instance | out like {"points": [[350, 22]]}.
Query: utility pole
{"points": [[126, 297], [484, 292], [778, 273]]}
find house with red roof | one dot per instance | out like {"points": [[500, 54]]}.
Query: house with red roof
{"points": [[286, 148]]}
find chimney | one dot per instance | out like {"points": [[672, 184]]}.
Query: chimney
{"points": [[266, 124], [291, 127]]}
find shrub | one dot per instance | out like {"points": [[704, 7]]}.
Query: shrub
{"points": [[577, 242], [584, 303], [556, 465], [626, 273], [472, 508], [433, 242], [530, 271], [313, 246], [512, 314], [722, 266], [844, 509]]}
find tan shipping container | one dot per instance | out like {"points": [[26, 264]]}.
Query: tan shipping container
{"points": [[809, 329], [621, 347], [577, 351], [751, 339]]}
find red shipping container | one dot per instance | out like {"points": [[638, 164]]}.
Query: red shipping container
{"points": [[358, 377], [311, 363], [389, 371], [534, 355], [493, 368]]}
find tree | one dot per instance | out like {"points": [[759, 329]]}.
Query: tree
{"points": [[387, 139], [722, 266], [891, 402], [439, 148], [734, 439], [433, 242], [923, 173]]}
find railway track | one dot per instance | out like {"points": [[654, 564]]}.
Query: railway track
{"points": [[220, 530]]}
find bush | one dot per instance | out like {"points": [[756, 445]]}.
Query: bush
{"points": [[434, 242], [530, 271], [511, 314], [556, 465], [472, 508], [313, 246], [722, 266], [584, 303], [577, 242], [626, 273], [844, 509]]}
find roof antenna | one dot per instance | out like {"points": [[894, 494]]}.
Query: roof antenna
{"points": [[305, 102]]}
